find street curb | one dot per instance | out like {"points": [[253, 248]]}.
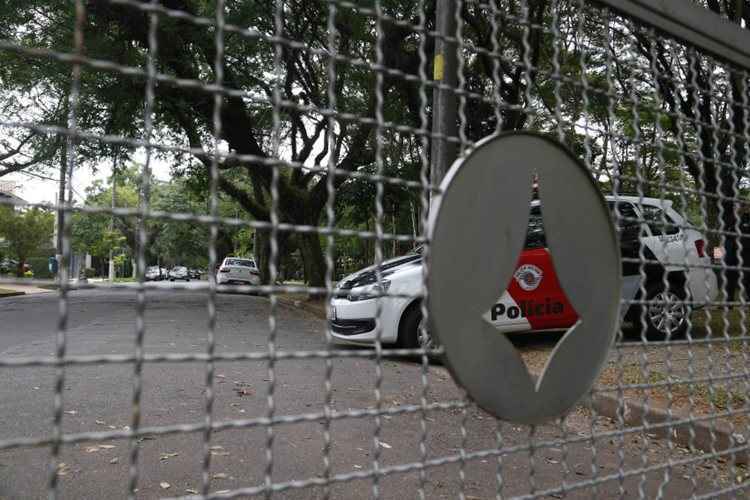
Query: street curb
{"points": [[303, 305], [11, 294], [635, 414]]}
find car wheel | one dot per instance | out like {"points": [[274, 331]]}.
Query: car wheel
{"points": [[413, 333], [666, 314]]}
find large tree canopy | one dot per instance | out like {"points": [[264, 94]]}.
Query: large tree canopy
{"points": [[637, 108]]}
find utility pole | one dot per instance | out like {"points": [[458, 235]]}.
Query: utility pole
{"points": [[112, 220], [60, 212], [444, 101]]}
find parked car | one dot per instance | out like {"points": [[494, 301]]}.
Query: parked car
{"points": [[10, 266], [534, 299], [194, 273], [238, 270], [154, 273], [179, 273]]}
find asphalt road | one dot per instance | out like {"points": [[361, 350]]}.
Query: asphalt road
{"points": [[100, 398]]}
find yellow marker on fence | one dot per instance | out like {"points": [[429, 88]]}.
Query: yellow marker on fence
{"points": [[438, 67]]}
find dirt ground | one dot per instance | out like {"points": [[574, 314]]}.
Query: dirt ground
{"points": [[705, 372]]}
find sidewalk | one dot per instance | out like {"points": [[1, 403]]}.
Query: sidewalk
{"points": [[8, 290]]}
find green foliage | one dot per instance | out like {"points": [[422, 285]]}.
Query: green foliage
{"points": [[40, 267], [177, 242], [243, 241], [100, 234], [168, 242], [26, 231]]}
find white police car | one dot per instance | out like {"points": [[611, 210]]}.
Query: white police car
{"points": [[658, 246]]}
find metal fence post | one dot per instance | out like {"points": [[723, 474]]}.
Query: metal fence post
{"points": [[444, 101]]}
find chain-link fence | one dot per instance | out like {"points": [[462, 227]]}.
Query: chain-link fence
{"points": [[328, 126]]}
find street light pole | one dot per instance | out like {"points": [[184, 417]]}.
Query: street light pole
{"points": [[444, 100]]}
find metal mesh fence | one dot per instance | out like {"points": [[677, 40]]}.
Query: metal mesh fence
{"points": [[306, 112]]}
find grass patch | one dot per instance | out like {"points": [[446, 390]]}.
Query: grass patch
{"points": [[633, 374], [720, 397], [720, 321]]}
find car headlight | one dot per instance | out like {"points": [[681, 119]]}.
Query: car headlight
{"points": [[369, 291]]}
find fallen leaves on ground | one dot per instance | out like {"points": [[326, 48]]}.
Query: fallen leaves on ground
{"points": [[98, 447], [165, 485], [63, 469], [167, 456], [243, 388]]}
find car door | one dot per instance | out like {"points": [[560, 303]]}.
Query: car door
{"points": [[534, 299]]}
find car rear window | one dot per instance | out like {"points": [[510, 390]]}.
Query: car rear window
{"points": [[535, 233], [239, 262], [658, 221]]}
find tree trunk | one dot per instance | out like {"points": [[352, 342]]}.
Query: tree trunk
{"points": [[312, 256], [262, 252]]}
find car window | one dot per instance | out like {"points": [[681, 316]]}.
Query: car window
{"points": [[535, 233], [626, 211], [240, 262], [627, 220], [658, 221]]}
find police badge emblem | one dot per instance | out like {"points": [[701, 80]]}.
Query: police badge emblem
{"points": [[528, 277]]}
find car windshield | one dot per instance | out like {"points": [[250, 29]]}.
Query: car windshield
{"points": [[179, 269], [239, 262]]}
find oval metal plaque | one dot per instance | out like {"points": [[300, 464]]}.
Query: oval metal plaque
{"points": [[477, 230]]}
